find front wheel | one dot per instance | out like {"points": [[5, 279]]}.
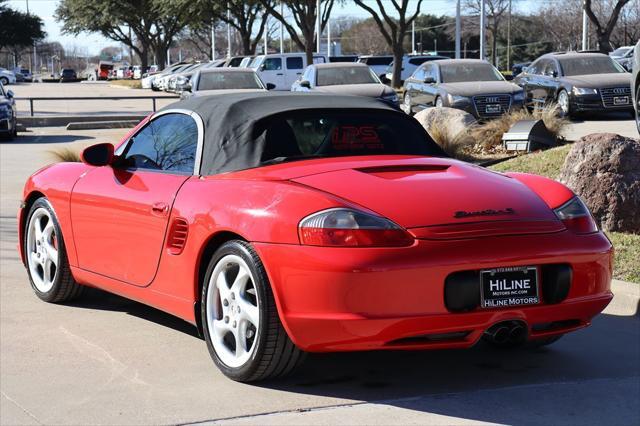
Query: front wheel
{"points": [[439, 103], [46, 256], [4, 81], [242, 329], [563, 104], [406, 104], [637, 100]]}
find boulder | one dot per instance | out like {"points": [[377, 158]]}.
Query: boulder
{"points": [[604, 170], [444, 123]]}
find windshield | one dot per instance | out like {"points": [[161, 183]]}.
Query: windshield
{"points": [[297, 135], [221, 80], [589, 65], [458, 73], [255, 62], [345, 75], [620, 51]]}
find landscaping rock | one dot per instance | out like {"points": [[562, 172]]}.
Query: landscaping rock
{"points": [[604, 170], [444, 123]]}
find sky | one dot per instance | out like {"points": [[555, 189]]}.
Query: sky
{"points": [[45, 9]]}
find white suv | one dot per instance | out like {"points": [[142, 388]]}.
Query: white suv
{"points": [[410, 64]]}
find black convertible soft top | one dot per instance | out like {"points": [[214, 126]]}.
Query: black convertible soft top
{"points": [[234, 131]]}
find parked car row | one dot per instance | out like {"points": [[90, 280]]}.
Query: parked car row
{"points": [[8, 114], [577, 82]]}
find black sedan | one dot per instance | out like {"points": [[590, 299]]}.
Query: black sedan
{"points": [[472, 85], [577, 82], [68, 74], [8, 120]]}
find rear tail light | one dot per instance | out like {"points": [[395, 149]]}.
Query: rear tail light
{"points": [[576, 217], [344, 227]]}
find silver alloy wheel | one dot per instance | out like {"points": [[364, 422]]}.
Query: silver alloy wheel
{"points": [[439, 102], [42, 250], [407, 103], [233, 311], [563, 102]]}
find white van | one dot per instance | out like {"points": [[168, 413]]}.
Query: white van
{"points": [[282, 70]]}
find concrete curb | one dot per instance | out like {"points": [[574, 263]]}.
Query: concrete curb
{"points": [[626, 299], [94, 125], [64, 120]]}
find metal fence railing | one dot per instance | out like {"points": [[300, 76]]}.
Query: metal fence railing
{"points": [[32, 100]]}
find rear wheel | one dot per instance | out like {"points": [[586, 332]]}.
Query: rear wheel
{"points": [[46, 256], [242, 329], [439, 103], [4, 81]]}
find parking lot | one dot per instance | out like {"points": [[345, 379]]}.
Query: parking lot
{"points": [[88, 107], [107, 360]]}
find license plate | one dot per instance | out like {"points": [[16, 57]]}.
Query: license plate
{"points": [[621, 100], [493, 109], [503, 287]]}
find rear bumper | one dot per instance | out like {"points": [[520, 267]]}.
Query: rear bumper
{"points": [[360, 299]]}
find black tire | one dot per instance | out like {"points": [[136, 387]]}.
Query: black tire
{"points": [[64, 288], [4, 81], [566, 114], [637, 108], [275, 354]]}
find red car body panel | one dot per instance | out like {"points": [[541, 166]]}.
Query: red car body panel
{"points": [[328, 298]]}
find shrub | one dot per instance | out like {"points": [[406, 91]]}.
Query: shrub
{"points": [[65, 155], [488, 135]]}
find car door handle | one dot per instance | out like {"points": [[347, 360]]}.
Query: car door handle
{"points": [[279, 73], [160, 209]]}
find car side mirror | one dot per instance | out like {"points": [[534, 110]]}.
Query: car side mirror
{"points": [[271, 86], [10, 94], [263, 67], [429, 80], [98, 155], [305, 84]]}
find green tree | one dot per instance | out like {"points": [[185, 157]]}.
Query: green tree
{"points": [[18, 30], [143, 25]]}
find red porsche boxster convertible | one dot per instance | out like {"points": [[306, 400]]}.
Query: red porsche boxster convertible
{"points": [[280, 224]]}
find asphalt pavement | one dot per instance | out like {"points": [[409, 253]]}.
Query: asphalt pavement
{"points": [[108, 360]]}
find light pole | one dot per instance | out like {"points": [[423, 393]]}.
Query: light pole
{"points": [[318, 26], [228, 31], [458, 29], [482, 24], [585, 27]]}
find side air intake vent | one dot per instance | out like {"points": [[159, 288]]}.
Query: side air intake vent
{"points": [[177, 235]]}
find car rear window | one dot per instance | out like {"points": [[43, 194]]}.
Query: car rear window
{"points": [[589, 65], [456, 73], [377, 60], [228, 80], [345, 75], [298, 135]]}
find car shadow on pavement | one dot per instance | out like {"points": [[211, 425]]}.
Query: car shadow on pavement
{"points": [[45, 139], [93, 298], [482, 383], [600, 116], [452, 382]]}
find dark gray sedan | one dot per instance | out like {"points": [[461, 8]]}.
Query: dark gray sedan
{"points": [[8, 119], [472, 85], [577, 82]]}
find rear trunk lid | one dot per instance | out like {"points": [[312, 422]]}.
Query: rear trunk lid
{"points": [[439, 198]]}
